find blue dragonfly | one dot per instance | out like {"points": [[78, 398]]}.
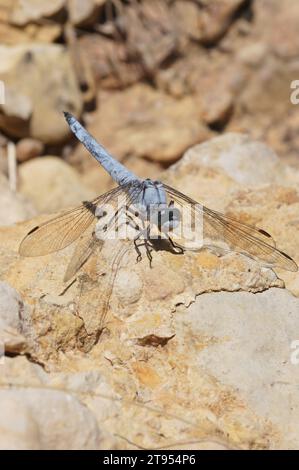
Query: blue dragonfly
{"points": [[154, 212]]}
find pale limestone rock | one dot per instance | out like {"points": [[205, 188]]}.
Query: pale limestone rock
{"points": [[156, 118], [48, 411], [11, 309], [246, 161], [25, 11], [28, 148], [48, 419], [39, 84], [141, 377], [281, 32], [216, 17], [14, 206], [52, 185], [187, 15], [251, 351], [41, 415], [81, 13], [18, 427]]}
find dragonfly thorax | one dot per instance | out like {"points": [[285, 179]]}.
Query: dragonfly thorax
{"points": [[153, 206], [153, 193]]}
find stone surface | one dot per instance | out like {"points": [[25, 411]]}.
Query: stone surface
{"points": [[251, 351], [14, 207], [196, 352], [216, 17], [28, 148], [25, 11], [34, 417], [143, 122], [81, 13], [247, 162], [13, 35], [52, 185], [11, 309], [33, 106], [151, 358]]}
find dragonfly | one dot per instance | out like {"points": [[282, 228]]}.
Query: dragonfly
{"points": [[152, 212]]}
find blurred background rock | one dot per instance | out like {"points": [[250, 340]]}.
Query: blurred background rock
{"points": [[148, 78]]}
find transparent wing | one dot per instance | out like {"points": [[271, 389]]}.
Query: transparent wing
{"points": [[237, 236], [94, 236], [61, 231], [85, 247]]}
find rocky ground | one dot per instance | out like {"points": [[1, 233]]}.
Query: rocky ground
{"points": [[195, 352]]}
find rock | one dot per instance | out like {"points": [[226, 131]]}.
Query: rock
{"points": [[75, 397], [52, 185], [31, 10], [217, 111], [142, 361], [143, 122], [201, 169], [270, 64], [156, 43], [41, 417], [11, 308], [82, 13], [150, 40], [28, 148], [14, 207], [254, 112], [109, 61], [281, 33], [33, 106], [27, 13], [19, 430], [253, 54], [13, 35], [187, 15], [247, 162], [251, 352], [216, 18]]}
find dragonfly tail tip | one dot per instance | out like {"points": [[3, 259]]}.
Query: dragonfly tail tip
{"points": [[68, 116]]}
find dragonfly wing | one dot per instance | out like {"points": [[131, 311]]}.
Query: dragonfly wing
{"points": [[85, 247], [237, 236], [64, 229]]}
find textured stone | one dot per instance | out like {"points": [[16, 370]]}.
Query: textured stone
{"points": [[251, 352], [11, 309], [51, 184], [41, 418], [25, 11], [155, 118], [39, 84], [14, 207], [28, 148], [146, 359]]}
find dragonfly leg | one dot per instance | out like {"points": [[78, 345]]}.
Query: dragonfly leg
{"points": [[146, 243], [133, 224], [148, 249], [177, 249], [148, 252], [139, 257]]}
